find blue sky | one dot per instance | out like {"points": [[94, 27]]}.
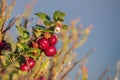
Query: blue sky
{"points": [[104, 15]]}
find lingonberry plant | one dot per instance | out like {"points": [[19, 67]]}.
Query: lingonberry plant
{"points": [[35, 56]]}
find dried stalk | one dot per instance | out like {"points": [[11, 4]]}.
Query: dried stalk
{"points": [[108, 78], [77, 62], [12, 22], [117, 71], [84, 61], [104, 73], [52, 72]]}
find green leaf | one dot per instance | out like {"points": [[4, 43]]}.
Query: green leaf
{"points": [[22, 46], [52, 23], [22, 31], [43, 16], [51, 30], [23, 40], [64, 27], [39, 27], [49, 23], [33, 50], [31, 55], [37, 33], [38, 30], [7, 54], [14, 76], [3, 60], [58, 16], [14, 64]]}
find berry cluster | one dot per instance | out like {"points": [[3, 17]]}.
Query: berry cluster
{"points": [[27, 65], [45, 44], [48, 45], [29, 46]]}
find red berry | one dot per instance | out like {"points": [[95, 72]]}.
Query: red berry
{"points": [[50, 51], [31, 62], [2, 71], [24, 67], [53, 40], [43, 43], [42, 78], [2, 44], [5, 46]]}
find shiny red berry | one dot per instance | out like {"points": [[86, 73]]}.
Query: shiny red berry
{"points": [[43, 43], [31, 62], [24, 67], [53, 40], [50, 51]]}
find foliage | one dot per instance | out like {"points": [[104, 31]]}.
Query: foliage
{"points": [[34, 56]]}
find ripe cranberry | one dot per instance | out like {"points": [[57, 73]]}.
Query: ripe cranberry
{"points": [[2, 71], [42, 78], [43, 43], [50, 51], [24, 67], [2, 44], [53, 40], [31, 62], [5, 46]]}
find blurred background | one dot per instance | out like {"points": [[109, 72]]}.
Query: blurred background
{"points": [[104, 15]]}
